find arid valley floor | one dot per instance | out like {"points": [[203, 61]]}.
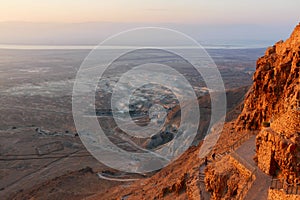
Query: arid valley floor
{"points": [[40, 151]]}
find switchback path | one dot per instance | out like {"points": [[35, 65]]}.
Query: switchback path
{"points": [[204, 194], [102, 176], [259, 189]]}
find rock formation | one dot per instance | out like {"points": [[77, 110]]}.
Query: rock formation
{"points": [[275, 86], [278, 147], [274, 97], [225, 179]]}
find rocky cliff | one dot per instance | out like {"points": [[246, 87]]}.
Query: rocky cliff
{"points": [[226, 178], [272, 101], [275, 86], [278, 148], [274, 97]]}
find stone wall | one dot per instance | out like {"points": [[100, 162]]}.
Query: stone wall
{"points": [[281, 195], [226, 178], [278, 148]]}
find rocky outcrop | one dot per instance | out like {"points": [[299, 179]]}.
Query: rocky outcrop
{"points": [[275, 86], [274, 97], [278, 147], [225, 179], [281, 195]]}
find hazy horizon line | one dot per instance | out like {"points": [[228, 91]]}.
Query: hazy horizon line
{"points": [[147, 22], [92, 33], [89, 46]]}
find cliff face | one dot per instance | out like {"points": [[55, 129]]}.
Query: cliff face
{"points": [[275, 86], [278, 147], [274, 97]]}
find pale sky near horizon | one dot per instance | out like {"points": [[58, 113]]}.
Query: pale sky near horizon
{"points": [[154, 11], [64, 21]]}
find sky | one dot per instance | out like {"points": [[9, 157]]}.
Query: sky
{"points": [[197, 17]]}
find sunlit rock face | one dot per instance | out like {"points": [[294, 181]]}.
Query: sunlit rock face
{"points": [[278, 147], [226, 178], [275, 86]]}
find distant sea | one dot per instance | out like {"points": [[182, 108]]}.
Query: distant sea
{"points": [[206, 45]]}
